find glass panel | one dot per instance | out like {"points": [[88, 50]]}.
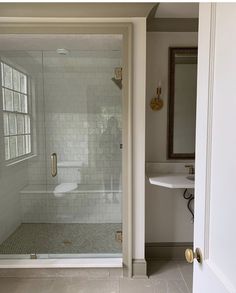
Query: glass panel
{"points": [[23, 102], [7, 74], [20, 145], [6, 125], [16, 80], [23, 83], [16, 100], [20, 124], [13, 147], [27, 123], [12, 124], [7, 150], [8, 100]]}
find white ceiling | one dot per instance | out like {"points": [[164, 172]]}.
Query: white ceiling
{"points": [[177, 10], [53, 42]]}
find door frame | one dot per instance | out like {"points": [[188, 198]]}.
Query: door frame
{"points": [[71, 26]]}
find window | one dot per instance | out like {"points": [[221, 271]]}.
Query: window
{"points": [[16, 112]]}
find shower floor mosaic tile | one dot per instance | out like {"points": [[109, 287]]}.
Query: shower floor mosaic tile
{"points": [[62, 239]]}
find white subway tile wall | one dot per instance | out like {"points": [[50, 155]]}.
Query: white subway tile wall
{"points": [[82, 124], [84, 207]]}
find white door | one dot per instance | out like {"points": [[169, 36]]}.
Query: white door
{"points": [[215, 206]]}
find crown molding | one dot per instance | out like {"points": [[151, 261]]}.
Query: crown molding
{"points": [[81, 10]]}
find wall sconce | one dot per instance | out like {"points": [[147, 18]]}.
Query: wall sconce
{"points": [[157, 103]]}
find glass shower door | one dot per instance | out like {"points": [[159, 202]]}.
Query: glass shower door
{"points": [[83, 143]]}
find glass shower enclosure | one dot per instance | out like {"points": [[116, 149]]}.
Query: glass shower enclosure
{"points": [[61, 111]]}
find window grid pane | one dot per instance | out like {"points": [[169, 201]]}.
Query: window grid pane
{"points": [[2, 79], [7, 150], [13, 147], [8, 96], [7, 76], [20, 145], [20, 124], [6, 124], [3, 100], [16, 117], [16, 102], [12, 124]]}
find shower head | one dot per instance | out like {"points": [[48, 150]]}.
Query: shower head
{"points": [[118, 77]]}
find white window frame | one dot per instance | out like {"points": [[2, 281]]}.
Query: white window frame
{"points": [[28, 113]]}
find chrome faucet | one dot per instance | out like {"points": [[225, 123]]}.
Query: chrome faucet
{"points": [[191, 169]]}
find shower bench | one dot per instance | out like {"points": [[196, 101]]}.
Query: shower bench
{"points": [[85, 204]]}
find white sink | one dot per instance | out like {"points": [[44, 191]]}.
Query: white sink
{"points": [[172, 180]]}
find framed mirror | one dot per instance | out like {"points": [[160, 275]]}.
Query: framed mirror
{"points": [[182, 103]]}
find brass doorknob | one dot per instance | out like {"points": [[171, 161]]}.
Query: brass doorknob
{"points": [[191, 255]]}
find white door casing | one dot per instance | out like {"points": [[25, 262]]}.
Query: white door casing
{"points": [[215, 198]]}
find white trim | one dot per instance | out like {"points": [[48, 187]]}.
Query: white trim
{"points": [[139, 267], [60, 256], [25, 158], [63, 263]]}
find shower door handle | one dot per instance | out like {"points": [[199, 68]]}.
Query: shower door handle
{"points": [[54, 164]]}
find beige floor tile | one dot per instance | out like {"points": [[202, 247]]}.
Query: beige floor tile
{"points": [[74, 285], [160, 286], [165, 277], [177, 287], [99, 273], [171, 286], [115, 273], [15, 285], [187, 273], [186, 268], [164, 270], [189, 284], [136, 286]]}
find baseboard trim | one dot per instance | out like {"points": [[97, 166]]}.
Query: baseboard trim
{"points": [[166, 250], [139, 268]]}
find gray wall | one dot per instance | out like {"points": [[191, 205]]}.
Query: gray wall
{"points": [[167, 217]]}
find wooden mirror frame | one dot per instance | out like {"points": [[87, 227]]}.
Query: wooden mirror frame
{"points": [[171, 100]]}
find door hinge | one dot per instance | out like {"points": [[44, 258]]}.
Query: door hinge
{"points": [[33, 256], [119, 236]]}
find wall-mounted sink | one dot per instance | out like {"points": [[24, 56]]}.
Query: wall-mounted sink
{"points": [[172, 180]]}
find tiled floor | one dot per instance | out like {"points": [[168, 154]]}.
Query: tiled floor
{"points": [[170, 277]]}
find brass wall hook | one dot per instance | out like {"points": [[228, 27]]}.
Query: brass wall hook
{"points": [[157, 103]]}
